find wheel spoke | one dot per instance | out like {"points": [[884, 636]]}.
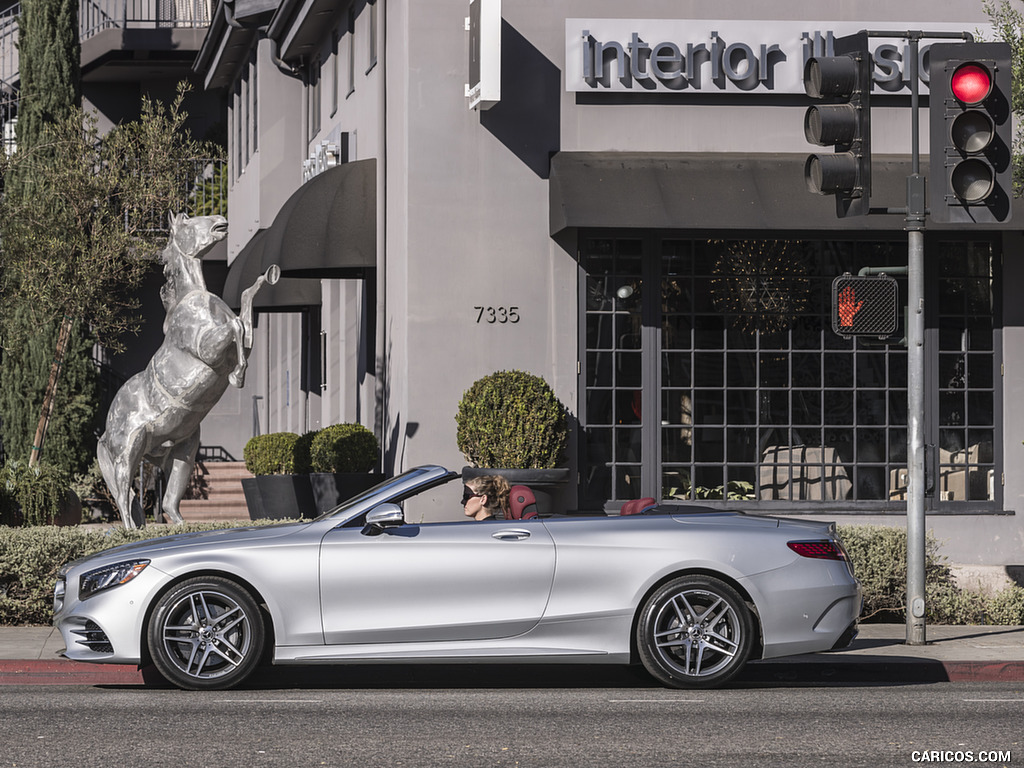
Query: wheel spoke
{"points": [[687, 616]]}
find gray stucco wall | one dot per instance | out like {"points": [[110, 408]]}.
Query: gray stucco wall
{"points": [[463, 211]]}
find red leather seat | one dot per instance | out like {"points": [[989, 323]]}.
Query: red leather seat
{"points": [[636, 506]]}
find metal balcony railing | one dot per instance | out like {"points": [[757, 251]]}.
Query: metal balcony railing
{"points": [[8, 47], [95, 16], [98, 15], [204, 184]]}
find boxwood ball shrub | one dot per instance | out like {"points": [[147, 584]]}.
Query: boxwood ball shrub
{"points": [[344, 448], [272, 454], [511, 419]]}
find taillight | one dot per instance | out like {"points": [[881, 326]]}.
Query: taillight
{"points": [[824, 549]]}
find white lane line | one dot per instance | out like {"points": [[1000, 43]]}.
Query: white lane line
{"points": [[1001, 701], [655, 701]]}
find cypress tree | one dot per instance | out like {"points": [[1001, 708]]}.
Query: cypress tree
{"points": [[50, 66], [50, 91]]}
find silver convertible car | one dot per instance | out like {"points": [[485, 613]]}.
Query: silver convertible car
{"points": [[691, 593]]}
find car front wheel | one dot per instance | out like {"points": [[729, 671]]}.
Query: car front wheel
{"points": [[206, 633], [695, 632]]}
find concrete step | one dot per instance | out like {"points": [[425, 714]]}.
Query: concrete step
{"points": [[222, 498]]}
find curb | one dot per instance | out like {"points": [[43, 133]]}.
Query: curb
{"points": [[34, 672], [783, 672], [876, 671]]}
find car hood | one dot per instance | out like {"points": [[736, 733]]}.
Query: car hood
{"points": [[150, 548]]}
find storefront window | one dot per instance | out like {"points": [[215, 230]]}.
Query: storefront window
{"points": [[712, 373]]}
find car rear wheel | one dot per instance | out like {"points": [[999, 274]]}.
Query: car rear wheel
{"points": [[695, 632], [206, 633]]}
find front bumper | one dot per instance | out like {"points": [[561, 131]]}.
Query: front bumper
{"points": [[107, 627]]}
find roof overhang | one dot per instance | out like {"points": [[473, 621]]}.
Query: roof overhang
{"points": [[715, 191]]}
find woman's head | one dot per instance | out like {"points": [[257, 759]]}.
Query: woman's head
{"points": [[486, 496]]}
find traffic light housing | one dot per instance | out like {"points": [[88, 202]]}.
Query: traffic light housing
{"points": [[864, 306], [970, 176], [842, 121]]}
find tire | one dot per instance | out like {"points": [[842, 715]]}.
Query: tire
{"points": [[695, 632], [207, 633]]}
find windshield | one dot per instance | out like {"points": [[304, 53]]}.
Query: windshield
{"points": [[393, 489]]}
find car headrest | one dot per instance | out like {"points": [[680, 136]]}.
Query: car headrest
{"points": [[522, 503]]}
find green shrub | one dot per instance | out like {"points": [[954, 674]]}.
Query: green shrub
{"points": [[879, 556], [511, 419], [31, 557], [1007, 607], [272, 454], [344, 448], [32, 495], [303, 455]]}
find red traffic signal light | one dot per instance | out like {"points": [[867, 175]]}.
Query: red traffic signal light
{"points": [[970, 177], [971, 83], [864, 306]]}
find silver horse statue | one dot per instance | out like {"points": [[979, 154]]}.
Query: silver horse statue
{"points": [[156, 414]]}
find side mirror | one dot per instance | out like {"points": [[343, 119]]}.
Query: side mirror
{"points": [[383, 517]]}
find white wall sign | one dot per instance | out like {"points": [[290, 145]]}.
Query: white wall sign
{"points": [[708, 57], [484, 26]]}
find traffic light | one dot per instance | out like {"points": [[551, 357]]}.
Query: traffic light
{"points": [[864, 306], [844, 81], [971, 133]]}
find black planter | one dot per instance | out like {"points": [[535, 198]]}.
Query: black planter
{"points": [[253, 500], [547, 484], [332, 488], [284, 497]]}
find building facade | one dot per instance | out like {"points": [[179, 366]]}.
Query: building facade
{"points": [[617, 205]]}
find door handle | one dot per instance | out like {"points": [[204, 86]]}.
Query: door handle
{"points": [[517, 534]]}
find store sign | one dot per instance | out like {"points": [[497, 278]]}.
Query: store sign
{"points": [[484, 26], [719, 57]]}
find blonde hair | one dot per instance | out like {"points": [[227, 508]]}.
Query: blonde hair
{"points": [[496, 489]]}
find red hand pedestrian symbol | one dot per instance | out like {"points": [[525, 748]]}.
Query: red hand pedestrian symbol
{"points": [[848, 306]]}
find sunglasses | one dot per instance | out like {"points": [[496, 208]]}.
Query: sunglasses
{"points": [[468, 494]]}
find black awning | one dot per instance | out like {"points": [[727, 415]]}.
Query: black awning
{"points": [[711, 191], [328, 227], [287, 295]]}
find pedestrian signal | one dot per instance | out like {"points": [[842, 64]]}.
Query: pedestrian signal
{"points": [[864, 306]]}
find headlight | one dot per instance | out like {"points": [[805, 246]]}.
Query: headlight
{"points": [[109, 576]]}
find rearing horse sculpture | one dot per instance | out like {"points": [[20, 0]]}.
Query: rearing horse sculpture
{"points": [[156, 414]]}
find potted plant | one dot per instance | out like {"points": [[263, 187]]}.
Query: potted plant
{"points": [[510, 423], [280, 489], [342, 457]]}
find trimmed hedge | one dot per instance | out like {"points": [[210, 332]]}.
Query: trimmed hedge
{"points": [[344, 448], [511, 419], [273, 454]]}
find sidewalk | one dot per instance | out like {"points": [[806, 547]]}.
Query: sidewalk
{"points": [[30, 656]]}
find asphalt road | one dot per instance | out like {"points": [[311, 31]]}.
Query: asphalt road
{"points": [[546, 726]]}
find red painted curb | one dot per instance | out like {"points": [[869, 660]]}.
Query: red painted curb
{"points": [[37, 672], [985, 671]]}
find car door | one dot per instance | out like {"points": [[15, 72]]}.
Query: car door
{"points": [[435, 582]]}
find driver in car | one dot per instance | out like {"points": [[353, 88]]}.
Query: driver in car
{"points": [[486, 497]]}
